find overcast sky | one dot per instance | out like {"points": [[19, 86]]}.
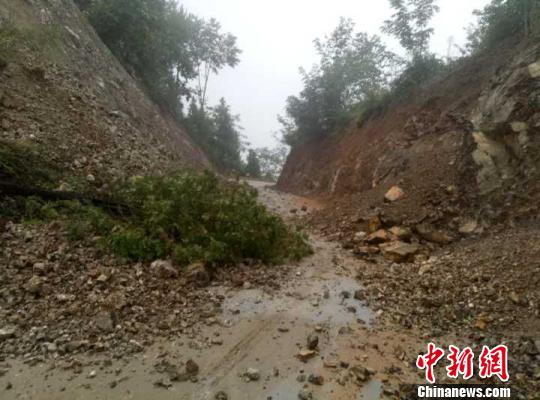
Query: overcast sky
{"points": [[276, 38]]}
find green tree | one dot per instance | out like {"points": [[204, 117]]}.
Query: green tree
{"points": [[253, 168], [502, 19], [211, 51], [410, 24], [227, 143], [353, 68], [272, 160]]}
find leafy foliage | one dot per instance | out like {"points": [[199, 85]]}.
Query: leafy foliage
{"points": [[409, 24], [253, 167], [22, 162], [353, 67], [164, 45], [272, 160], [502, 19], [217, 132], [189, 217]]}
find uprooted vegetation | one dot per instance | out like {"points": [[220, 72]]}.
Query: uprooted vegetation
{"points": [[189, 216]]}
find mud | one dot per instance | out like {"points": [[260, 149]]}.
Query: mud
{"points": [[257, 329]]}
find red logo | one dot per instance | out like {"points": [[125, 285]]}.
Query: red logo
{"points": [[492, 362], [429, 361], [461, 363]]}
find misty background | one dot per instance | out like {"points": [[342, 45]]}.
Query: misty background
{"points": [[276, 38]]}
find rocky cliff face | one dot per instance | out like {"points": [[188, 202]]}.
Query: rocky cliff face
{"points": [[472, 138], [63, 91]]}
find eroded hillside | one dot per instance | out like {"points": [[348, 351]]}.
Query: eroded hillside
{"points": [[63, 92]]}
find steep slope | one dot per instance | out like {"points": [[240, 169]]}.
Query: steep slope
{"points": [[468, 137], [62, 90]]}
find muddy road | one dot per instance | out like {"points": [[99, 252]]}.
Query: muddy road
{"points": [[260, 332]]}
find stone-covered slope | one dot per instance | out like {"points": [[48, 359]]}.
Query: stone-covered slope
{"points": [[63, 91]]}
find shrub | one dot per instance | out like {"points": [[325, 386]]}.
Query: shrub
{"points": [[198, 217], [189, 217]]}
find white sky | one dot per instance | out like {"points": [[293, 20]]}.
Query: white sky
{"points": [[276, 38]]}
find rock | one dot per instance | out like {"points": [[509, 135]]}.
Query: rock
{"points": [[164, 269], [104, 322], [359, 236], [312, 342], [7, 332], [518, 126], [305, 355], [305, 394], [252, 374], [40, 268], [198, 274], [34, 285], [192, 368], [399, 251], [221, 396], [90, 178], [428, 233], [92, 374], [394, 194], [163, 382], [304, 208], [316, 379], [361, 374], [374, 224], [534, 69], [401, 233], [424, 269], [377, 237], [468, 227], [366, 250], [359, 295]]}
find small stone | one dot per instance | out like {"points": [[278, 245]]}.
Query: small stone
{"points": [[377, 237], [468, 227], [401, 233], [90, 178], [359, 295], [34, 285], [221, 396], [312, 342], [428, 233], [301, 378], [394, 194], [7, 332], [399, 251], [252, 374], [164, 269], [305, 394], [104, 322], [192, 368], [316, 379], [92, 374], [534, 70], [359, 236], [305, 355]]}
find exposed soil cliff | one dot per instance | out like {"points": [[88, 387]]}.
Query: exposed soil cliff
{"points": [[63, 91], [470, 138]]}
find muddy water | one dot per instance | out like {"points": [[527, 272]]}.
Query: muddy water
{"points": [[256, 330]]}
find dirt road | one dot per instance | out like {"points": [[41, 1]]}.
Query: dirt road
{"points": [[259, 330]]}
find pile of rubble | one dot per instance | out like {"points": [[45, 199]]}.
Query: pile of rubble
{"points": [[59, 298]]}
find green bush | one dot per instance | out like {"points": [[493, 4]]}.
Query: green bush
{"points": [[189, 217], [198, 217]]}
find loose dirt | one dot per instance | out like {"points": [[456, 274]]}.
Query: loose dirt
{"points": [[258, 328]]}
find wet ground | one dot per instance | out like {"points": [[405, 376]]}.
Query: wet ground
{"points": [[260, 330]]}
